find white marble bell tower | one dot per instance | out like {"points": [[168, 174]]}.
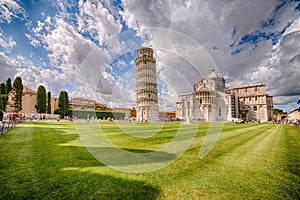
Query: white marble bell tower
{"points": [[146, 86]]}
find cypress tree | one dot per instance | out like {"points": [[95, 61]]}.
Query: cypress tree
{"points": [[41, 100], [63, 103], [3, 97], [8, 86], [49, 102], [1, 101], [2, 88], [18, 88]]}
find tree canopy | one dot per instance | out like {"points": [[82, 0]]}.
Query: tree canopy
{"points": [[17, 98], [8, 86], [41, 99], [63, 103], [277, 111], [4, 90], [49, 102], [1, 101]]}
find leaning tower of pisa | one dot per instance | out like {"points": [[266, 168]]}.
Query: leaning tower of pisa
{"points": [[146, 86]]}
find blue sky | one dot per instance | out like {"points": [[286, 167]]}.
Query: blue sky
{"points": [[88, 47]]}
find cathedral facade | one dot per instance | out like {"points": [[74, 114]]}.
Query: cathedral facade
{"points": [[212, 101]]}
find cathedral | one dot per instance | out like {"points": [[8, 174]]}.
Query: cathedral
{"points": [[213, 101]]}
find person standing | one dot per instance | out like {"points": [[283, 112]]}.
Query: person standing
{"points": [[14, 118]]}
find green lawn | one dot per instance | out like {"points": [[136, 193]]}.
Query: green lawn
{"points": [[47, 160]]}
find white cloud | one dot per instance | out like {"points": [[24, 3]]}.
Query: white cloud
{"points": [[282, 68], [10, 9], [40, 26], [7, 43], [82, 63], [33, 41], [34, 76], [96, 20], [123, 93], [37, 33], [77, 62], [67, 48], [121, 64], [212, 24], [8, 67], [282, 100], [48, 20]]}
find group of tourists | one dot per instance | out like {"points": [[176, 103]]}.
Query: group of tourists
{"points": [[7, 120], [11, 117]]}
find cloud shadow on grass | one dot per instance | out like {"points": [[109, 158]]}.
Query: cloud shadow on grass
{"points": [[88, 185], [119, 157], [52, 171]]}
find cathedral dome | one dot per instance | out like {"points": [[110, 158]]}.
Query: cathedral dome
{"points": [[213, 75]]}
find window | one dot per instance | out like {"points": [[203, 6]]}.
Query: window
{"points": [[255, 108], [149, 95], [220, 112]]}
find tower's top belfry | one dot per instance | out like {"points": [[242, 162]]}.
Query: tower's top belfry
{"points": [[145, 54], [146, 86]]}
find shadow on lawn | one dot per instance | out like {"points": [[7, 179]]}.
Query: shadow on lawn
{"points": [[52, 171], [80, 176], [73, 184], [119, 157], [88, 185]]}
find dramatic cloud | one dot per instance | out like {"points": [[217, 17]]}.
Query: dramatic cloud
{"points": [[8, 67], [34, 76], [243, 38], [88, 47], [96, 20], [10, 9]]}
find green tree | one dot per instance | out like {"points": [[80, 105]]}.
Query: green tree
{"points": [[2, 88], [8, 86], [277, 111], [3, 97], [40, 105], [1, 101], [18, 90], [63, 103], [49, 102]]}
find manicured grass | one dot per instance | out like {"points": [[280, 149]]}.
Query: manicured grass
{"points": [[47, 160]]}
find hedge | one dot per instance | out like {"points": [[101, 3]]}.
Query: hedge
{"points": [[83, 114]]}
